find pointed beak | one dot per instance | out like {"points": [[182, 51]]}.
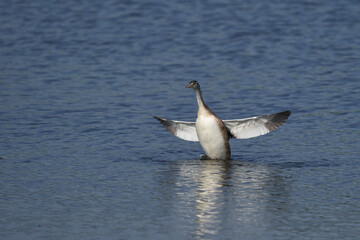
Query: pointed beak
{"points": [[188, 86]]}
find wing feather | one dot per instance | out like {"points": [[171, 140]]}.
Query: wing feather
{"points": [[255, 126], [183, 130]]}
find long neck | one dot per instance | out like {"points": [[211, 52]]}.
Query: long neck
{"points": [[199, 99]]}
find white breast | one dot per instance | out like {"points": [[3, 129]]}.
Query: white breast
{"points": [[210, 136]]}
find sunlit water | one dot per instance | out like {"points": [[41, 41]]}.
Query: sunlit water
{"points": [[82, 158]]}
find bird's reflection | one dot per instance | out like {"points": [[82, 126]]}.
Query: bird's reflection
{"points": [[215, 194], [212, 178]]}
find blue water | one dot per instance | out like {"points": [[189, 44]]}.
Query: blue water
{"points": [[82, 158]]}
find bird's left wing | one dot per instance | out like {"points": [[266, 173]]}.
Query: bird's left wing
{"points": [[183, 130], [255, 126]]}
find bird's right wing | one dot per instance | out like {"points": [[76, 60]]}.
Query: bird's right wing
{"points": [[255, 126], [183, 130]]}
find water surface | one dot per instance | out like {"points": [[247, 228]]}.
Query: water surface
{"points": [[82, 158]]}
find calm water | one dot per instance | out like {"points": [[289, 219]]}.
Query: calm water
{"points": [[82, 158]]}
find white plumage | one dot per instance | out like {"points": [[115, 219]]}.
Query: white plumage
{"points": [[213, 133]]}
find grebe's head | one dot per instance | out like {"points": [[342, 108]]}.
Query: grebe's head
{"points": [[193, 84]]}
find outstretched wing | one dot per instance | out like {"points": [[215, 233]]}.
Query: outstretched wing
{"points": [[183, 130], [255, 126]]}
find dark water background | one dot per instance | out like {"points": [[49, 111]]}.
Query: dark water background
{"points": [[82, 158]]}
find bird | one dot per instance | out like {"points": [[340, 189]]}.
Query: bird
{"points": [[214, 134]]}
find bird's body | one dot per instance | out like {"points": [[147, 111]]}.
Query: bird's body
{"points": [[214, 134]]}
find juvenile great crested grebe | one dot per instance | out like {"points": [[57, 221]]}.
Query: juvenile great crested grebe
{"points": [[214, 133]]}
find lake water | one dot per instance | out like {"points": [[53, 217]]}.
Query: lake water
{"points": [[82, 158]]}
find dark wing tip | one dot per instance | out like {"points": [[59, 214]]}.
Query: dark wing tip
{"points": [[287, 112], [161, 120], [283, 115], [166, 123], [277, 120], [158, 118]]}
